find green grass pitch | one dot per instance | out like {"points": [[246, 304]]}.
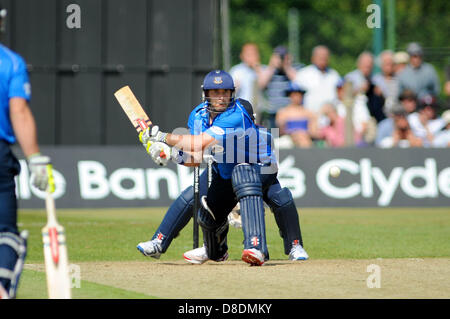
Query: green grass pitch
{"points": [[333, 233]]}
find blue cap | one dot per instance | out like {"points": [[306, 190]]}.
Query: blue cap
{"points": [[340, 83], [218, 79], [294, 87]]}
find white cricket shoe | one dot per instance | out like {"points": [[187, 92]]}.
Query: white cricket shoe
{"points": [[151, 248], [298, 253], [198, 256], [253, 257]]}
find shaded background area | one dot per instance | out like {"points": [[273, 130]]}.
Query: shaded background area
{"points": [[341, 25], [162, 49]]}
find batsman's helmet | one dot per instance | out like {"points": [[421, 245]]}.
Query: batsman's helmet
{"points": [[216, 80]]}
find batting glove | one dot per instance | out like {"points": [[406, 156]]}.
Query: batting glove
{"points": [[152, 134], [159, 152], [37, 165]]}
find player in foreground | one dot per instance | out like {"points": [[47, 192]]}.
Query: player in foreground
{"points": [[16, 123], [207, 122]]}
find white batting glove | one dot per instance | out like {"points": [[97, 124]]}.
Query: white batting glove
{"points": [[37, 165], [152, 134], [159, 152]]}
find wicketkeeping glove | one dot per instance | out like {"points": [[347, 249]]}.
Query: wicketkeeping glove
{"points": [[37, 165]]}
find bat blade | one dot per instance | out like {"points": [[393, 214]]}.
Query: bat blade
{"points": [[132, 108], [55, 255]]}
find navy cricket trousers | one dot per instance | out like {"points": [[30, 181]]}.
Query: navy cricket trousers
{"points": [[9, 167]]}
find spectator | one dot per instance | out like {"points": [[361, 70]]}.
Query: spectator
{"points": [[442, 138], [402, 135], [362, 81], [333, 132], [363, 125], [419, 76], [361, 77], [318, 79], [387, 81], [401, 60], [245, 76], [408, 100], [424, 123], [408, 103], [295, 120], [274, 81]]}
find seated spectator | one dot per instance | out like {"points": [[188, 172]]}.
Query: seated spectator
{"points": [[408, 100], [318, 79], [402, 135], [387, 81], [296, 121], [332, 126], [401, 60], [408, 103], [425, 123], [419, 76], [442, 138], [362, 81], [363, 125]]}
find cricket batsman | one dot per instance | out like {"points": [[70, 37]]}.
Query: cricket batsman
{"points": [[219, 120], [16, 124]]}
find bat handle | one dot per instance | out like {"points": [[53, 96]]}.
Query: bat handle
{"points": [[50, 207], [51, 180]]}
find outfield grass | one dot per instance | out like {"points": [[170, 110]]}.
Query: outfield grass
{"points": [[104, 235], [112, 234], [33, 286]]}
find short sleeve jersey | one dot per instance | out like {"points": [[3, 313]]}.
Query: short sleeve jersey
{"points": [[14, 82], [239, 139]]}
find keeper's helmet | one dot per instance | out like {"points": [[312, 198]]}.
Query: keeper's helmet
{"points": [[216, 80]]}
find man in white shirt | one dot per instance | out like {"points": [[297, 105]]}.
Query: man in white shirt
{"points": [[424, 123], [245, 74], [318, 79]]}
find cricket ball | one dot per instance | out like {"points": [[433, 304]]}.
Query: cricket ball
{"points": [[335, 171]]}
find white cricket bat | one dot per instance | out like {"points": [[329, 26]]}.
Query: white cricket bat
{"points": [[133, 110], [55, 249]]}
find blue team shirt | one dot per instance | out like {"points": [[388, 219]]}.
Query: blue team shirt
{"points": [[239, 139], [13, 83]]}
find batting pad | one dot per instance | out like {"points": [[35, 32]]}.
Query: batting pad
{"points": [[17, 245], [248, 189], [286, 217]]}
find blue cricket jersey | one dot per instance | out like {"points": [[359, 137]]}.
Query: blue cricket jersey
{"points": [[13, 83], [239, 139]]}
